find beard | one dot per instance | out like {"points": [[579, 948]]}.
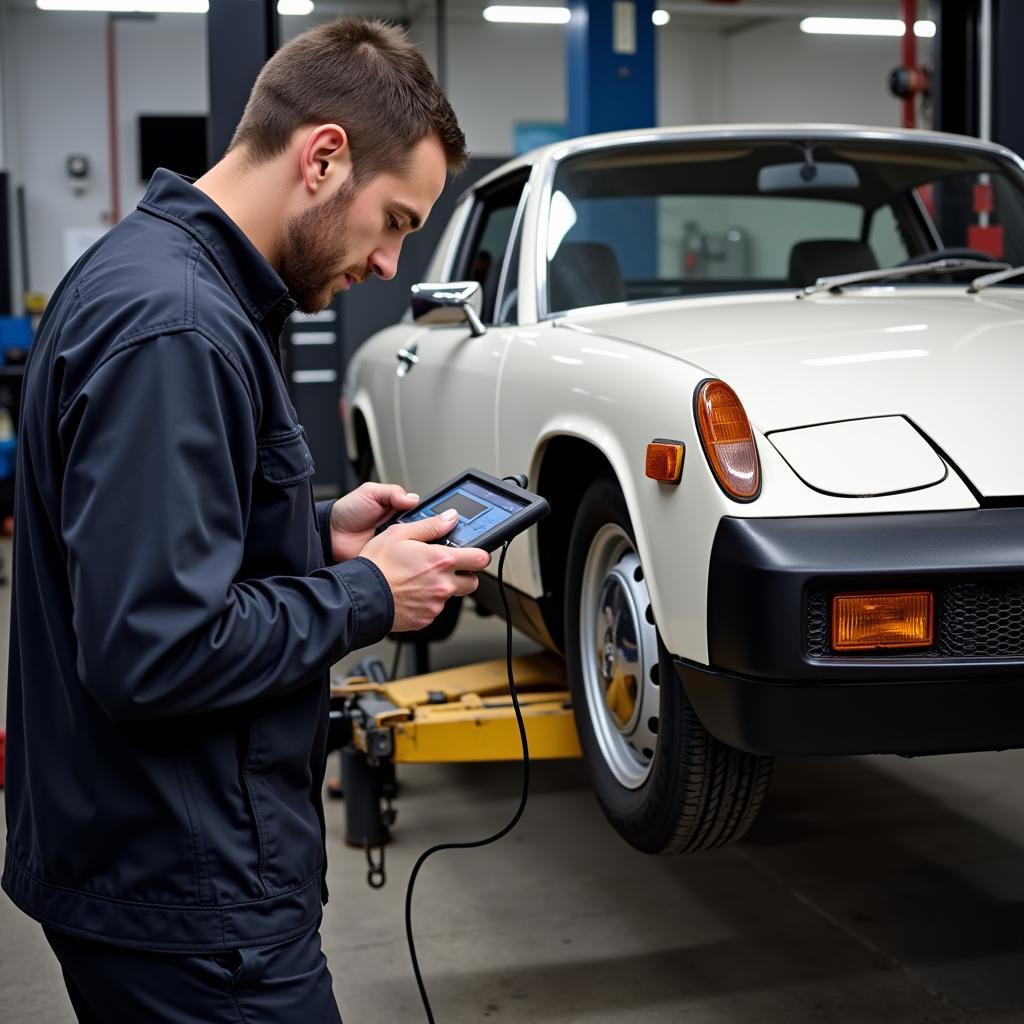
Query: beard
{"points": [[314, 250]]}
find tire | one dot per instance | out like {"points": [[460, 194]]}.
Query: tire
{"points": [[364, 465], [664, 782]]}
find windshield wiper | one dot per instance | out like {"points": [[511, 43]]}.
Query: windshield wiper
{"points": [[990, 279], [840, 281]]}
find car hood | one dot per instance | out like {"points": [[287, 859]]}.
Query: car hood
{"points": [[951, 363]]}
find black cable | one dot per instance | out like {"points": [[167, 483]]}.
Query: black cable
{"points": [[497, 835], [394, 662]]}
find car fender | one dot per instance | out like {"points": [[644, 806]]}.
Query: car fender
{"points": [[361, 405]]}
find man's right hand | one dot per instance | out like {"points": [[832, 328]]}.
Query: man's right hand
{"points": [[423, 576]]}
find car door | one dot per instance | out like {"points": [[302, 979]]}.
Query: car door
{"points": [[447, 397]]}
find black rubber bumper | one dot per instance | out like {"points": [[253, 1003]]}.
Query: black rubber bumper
{"points": [[765, 692]]}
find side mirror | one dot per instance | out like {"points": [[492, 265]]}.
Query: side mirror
{"points": [[459, 302]]}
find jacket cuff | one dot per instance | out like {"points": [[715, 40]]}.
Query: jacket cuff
{"points": [[323, 518], [372, 603]]}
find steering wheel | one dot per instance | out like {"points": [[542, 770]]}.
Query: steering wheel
{"points": [[951, 253]]}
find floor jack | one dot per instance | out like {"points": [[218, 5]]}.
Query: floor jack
{"points": [[456, 715]]}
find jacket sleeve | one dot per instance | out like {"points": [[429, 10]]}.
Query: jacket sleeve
{"points": [[160, 452]]}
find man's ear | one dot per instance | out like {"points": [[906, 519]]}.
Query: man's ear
{"points": [[326, 158]]}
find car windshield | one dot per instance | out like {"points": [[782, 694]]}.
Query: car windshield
{"points": [[671, 219]]}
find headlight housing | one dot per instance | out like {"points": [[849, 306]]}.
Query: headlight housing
{"points": [[728, 440]]}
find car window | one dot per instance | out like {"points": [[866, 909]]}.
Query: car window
{"points": [[688, 218], [506, 310], [489, 234], [743, 237], [885, 238], [982, 212]]}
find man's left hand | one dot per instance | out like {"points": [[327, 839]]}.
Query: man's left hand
{"points": [[355, 516]]}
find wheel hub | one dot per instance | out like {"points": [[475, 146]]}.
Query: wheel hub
{"points": [[619, 653]]}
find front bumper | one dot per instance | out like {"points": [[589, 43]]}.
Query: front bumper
{"points": [[774, 686]]}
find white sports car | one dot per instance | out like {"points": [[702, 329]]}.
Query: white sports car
{"points": [[770, 380]]}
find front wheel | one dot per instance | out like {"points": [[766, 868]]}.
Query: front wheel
{"points": [[664, 782]]}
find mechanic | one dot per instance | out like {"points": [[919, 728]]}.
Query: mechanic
{"points": [[178, 598]]}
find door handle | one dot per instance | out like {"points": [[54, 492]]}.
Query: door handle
{"points": [[407, 359]]}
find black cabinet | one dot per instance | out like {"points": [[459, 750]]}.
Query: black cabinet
{"points": [[312, 359]]}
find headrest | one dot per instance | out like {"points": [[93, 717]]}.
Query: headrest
{"points": [[585, 274], [824, 257]]}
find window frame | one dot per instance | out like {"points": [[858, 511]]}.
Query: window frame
{"points": [[484, 200]]}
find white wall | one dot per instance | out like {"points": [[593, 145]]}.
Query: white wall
{"points": [[778, 73], [498, 75], [55, 103], [692, 76], [3, 37], [53, 93]]}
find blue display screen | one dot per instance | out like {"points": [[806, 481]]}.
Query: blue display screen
{"points": [[480, 510]]}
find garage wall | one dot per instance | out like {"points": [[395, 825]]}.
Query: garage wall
{"points": [[692, 75], [497, 75], [778, 73], [53, 93], [526, 69], [3, 122], [55, 103]]}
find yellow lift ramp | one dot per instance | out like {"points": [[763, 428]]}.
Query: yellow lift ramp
{"points": [[465, 714], [455, 715]]}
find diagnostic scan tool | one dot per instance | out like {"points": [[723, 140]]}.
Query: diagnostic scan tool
{"points": [[491, 511]]}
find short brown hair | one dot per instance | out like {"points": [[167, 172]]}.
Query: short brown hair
{"points": [[366, 76]]}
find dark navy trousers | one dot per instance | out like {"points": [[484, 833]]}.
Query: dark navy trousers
{"points": [[287, 983]]}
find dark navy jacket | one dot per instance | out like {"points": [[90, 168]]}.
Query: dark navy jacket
{"points": [[173, 617]]}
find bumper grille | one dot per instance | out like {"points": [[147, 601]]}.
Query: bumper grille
{"points": [[972, 620]]}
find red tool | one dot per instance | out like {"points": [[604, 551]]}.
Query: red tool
{"points": [[909, 80]]}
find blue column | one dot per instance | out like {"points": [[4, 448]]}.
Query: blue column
{"points": [[611, 66]]}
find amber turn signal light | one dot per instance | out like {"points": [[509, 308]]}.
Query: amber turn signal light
{"points": [[728, 440], [891, 619], [665, 460]]}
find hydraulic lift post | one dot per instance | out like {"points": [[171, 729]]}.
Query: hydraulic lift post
{"points": [[456, 715]]}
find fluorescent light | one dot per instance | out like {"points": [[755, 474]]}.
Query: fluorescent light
{"points": [[127, 6], [660, 17], [528, 15], [865, 27], [294, 6]]}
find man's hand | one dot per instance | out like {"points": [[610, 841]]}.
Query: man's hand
{"points": [[423, 576], [355, 516]]}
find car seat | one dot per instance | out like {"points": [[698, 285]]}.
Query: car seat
{"points": [[585, 274], [825, 257]]}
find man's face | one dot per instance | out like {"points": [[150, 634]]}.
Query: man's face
{"points": [[357, 232]]}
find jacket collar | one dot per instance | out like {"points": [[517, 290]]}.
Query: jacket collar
{"points": [[258, 286]]}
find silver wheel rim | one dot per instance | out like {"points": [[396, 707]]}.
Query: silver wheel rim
{"points": [[619, 657]]}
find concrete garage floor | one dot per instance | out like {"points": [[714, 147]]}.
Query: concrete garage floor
{"points": [[871, 890]]}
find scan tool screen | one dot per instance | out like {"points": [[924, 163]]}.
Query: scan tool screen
{"points": [[480, 509]]}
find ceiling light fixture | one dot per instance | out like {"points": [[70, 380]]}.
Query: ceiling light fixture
{"points": [[660, 17], [528, 15], [127, 6], [294, 6], [865, 27]]}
